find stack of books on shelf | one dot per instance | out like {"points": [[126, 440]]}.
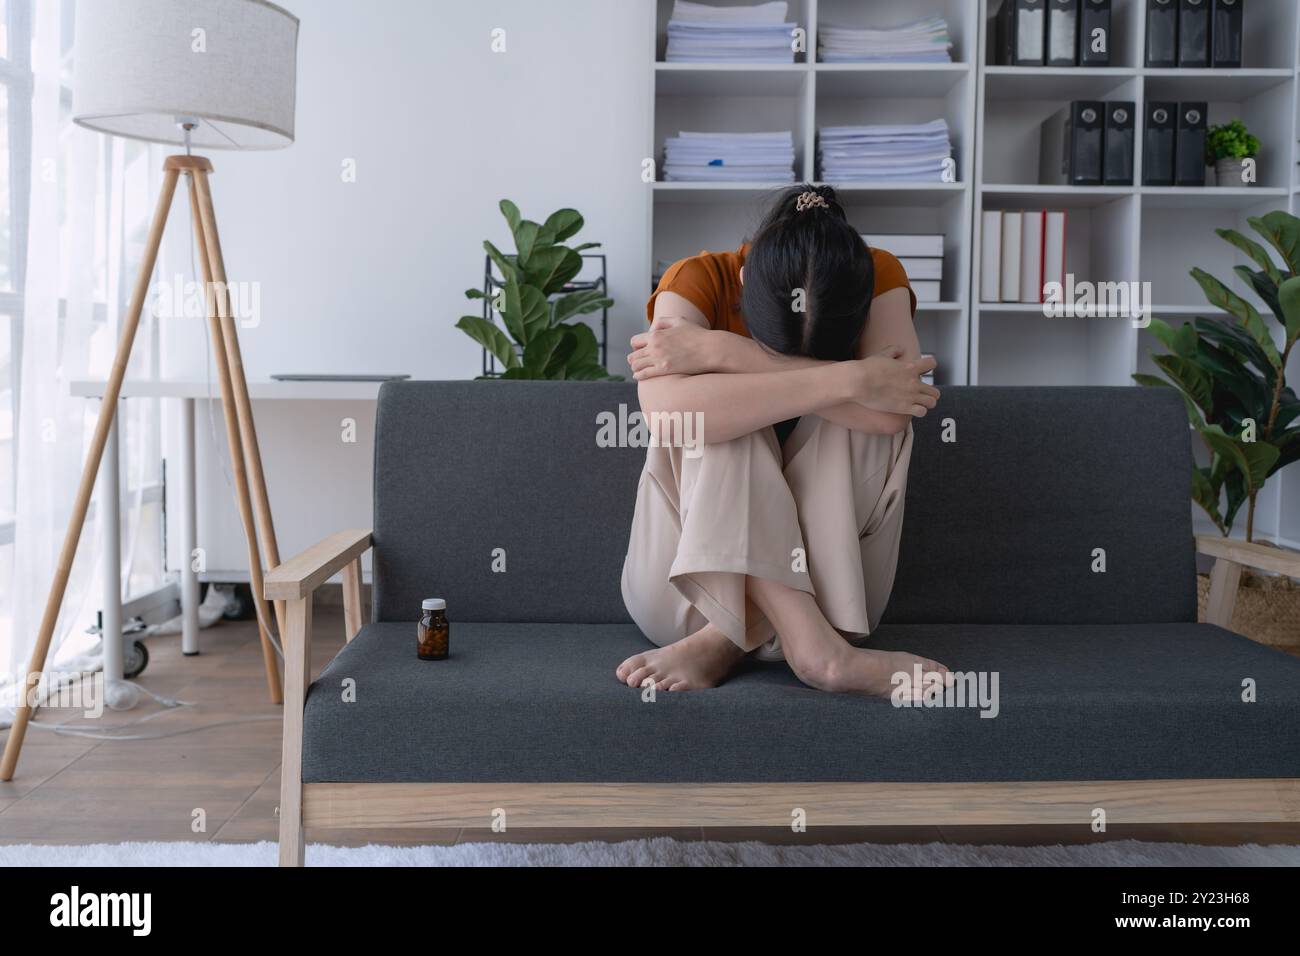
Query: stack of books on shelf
{"points": [[698, 32], [729, 157], [925, 41], [921, 255], [1021, 252], [894, 153]]}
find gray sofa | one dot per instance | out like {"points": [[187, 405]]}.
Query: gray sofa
{"points": [[1110, 693]]}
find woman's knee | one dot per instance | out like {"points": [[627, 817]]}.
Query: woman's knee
{"points": [[761, 448]]}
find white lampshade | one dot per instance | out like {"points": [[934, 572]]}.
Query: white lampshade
{"points": [[142, 66]]}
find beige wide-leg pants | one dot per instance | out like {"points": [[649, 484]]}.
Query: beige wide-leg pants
{"points": [[822, 514]]}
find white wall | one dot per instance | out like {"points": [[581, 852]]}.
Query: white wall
{"points": [[369, 276]]}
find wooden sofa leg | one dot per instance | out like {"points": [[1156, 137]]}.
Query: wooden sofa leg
{"points": [[297, 655], [1224, 578], [352, 599]]}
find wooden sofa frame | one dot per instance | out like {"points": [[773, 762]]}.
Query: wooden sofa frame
{"points": [[577, 805]]}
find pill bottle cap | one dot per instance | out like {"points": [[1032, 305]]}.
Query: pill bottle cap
{"points": [[433, 604]]}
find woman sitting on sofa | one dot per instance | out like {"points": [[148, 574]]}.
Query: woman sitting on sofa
{"points": [[797, 355]]}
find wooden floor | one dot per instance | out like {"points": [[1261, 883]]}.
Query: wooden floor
{"points": [[223, 783]]}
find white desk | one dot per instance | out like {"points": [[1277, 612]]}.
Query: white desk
{"points": [[187, 392]]}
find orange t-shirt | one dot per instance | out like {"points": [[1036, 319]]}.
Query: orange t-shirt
{"points": [[711, 282]]}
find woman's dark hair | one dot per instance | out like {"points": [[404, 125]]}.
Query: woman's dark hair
{"points": [[808, 277]]}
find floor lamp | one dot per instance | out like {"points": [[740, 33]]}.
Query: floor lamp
{"points": [[212, 74]]}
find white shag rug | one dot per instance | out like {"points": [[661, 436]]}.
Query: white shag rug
{"points": [[657, 852]]}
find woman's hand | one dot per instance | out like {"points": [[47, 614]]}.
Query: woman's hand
{"points": [[886, 382], [672, 346]]}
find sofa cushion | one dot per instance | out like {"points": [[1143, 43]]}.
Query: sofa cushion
{"points": [[539, 702], [471, 477], [1011, 491], [1006, 520]]}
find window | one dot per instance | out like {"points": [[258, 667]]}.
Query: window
{"points": [[15, 152], [101, 240]]}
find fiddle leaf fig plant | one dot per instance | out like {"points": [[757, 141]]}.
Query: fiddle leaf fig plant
{"points": [[536, 338], [1231, 373]]}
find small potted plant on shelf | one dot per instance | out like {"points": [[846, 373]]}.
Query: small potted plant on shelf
{"points": [[1231, 373], [536, 298], [1227, 148]]}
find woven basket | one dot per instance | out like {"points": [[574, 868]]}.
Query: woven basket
{"points": [[1267, 609]]}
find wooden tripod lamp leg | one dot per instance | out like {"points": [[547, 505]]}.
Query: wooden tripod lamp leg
{"points": [[239, 384], [213, 296], [107, 409]]}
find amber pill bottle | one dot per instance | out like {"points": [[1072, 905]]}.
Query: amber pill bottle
{"points": [[434, 633]]}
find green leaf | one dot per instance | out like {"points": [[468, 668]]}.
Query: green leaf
{"points": [[1288, 298], [538, 352], [1288, 444], [1237, 341], [503, 262], [585, 245], [1253, 460], [474, 294], [525, 311], [1264, 288], [1181, 341], [526, 240], [1234, 489], [1234, 383], [586, 349], [1254, 250], [563, 223], [1224, 298], [582, 302], [490, 337], [550, 268], [1282, 230], [1189, 378], [560, 358], [511, 212], [1151, 381], [1288, 411], [1205, 492]]}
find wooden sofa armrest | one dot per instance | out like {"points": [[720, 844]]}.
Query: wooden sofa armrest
{"points": [[302, 574], [1277, 560], [1230, 557], [305, 572], [293, 582]]}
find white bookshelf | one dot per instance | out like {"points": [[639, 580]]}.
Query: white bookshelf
{"points": [[802, 96], [1128, 233]]}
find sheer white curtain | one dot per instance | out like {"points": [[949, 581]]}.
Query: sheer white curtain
{"points": [[90, 200]]}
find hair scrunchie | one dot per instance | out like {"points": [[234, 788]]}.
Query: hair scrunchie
{"points": [[810, 200]]}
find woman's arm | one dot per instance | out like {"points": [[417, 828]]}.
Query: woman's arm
{"points": [[732, 404], [681, 343]]}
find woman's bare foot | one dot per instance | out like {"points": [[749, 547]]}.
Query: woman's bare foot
{"points": [[852, 670], [821, 657], [701, 660]]}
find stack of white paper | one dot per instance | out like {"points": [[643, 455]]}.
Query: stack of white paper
{"points": [[758, 34], [896, 153], [925, 41], [729, 157], [921, 256]]}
